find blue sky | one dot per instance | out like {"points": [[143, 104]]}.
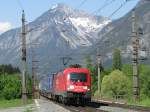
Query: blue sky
{"points": [[10, 10]]}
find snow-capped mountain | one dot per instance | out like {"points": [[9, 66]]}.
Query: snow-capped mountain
{"points": [[58, 32]]}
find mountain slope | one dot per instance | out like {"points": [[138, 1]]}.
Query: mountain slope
{"points": [[117, 34], [59, 32]]}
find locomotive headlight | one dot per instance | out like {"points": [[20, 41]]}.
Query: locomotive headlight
{"points": [[86, 87], [70, 87]]}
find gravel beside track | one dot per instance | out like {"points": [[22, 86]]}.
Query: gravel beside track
{"points": [[43, 105], [30, 107], [91, 107]]}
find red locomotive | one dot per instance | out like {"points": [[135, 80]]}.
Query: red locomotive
{"points": [[73, 85]]}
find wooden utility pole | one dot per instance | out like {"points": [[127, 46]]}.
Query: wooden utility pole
{"points": [[24, 89], [135, 58]]}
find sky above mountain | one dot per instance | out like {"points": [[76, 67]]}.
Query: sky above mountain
{"points": [[10, 10]]}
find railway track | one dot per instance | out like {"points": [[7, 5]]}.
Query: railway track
{"points": [[125, 106], [95, 106], [91, 107], [88, 108]]}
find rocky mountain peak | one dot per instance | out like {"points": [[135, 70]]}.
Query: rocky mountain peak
{"points": [[142, 2], [61, 7]]}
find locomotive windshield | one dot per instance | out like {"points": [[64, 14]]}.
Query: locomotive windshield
{"points": [[78, 77]]}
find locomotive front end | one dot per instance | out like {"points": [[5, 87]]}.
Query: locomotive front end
{"points": [[79, 86]]}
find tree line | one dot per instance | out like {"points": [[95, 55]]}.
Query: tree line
{"points": [[117, 80], [10, 82], [8, 69]]}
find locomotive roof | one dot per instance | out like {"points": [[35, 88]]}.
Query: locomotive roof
{"points": [[76, 70]]}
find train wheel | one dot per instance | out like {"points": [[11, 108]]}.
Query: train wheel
{"points": [[65, 101], [61, 99], [57, 98], [83, 102], [78, 101], [53, 98]]}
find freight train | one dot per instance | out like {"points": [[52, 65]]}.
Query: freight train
{"points": [[72, 85]]}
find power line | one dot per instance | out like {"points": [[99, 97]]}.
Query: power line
{"points": [[104, 6], [123, 4], [109, 3]]}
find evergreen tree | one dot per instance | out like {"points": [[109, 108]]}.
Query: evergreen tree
{"points": [[116, 60], [8, 69]]}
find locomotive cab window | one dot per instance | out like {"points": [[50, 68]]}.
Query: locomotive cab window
{"points": [[78, 77]]}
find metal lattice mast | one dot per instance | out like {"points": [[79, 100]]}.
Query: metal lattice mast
{"points": [[135, 58], [34, 74]]}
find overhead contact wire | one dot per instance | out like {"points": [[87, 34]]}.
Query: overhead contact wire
{"points": [[104, 5], [123, 4]]}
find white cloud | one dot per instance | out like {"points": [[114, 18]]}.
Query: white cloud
{"points": [[4, 26]]}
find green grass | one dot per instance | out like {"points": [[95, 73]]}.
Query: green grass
{"points": [[28, 110], [12, 103], [143, 102]]}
